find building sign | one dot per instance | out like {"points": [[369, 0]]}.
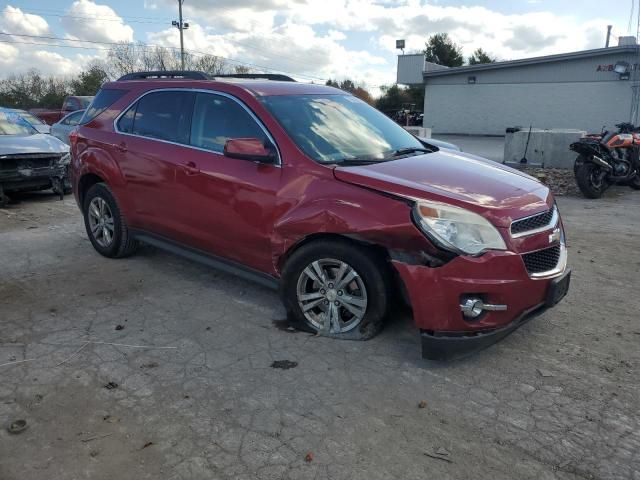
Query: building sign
{"points": [[611, 67]]}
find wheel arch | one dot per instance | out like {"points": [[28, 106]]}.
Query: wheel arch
{"points": [[85, 183]]}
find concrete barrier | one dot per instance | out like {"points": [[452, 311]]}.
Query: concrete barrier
{"points": [[421, 132], [547, 148]]}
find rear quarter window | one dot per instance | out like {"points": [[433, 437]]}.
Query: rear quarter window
{"points": [[103, 100]]}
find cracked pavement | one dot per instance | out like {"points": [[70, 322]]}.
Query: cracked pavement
{"points": [[558, 399]]}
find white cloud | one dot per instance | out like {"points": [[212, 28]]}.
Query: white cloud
{"points": [[14, 20], [87, 20], [312, 38]]}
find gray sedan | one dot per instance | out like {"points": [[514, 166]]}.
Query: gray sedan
{"points": [[63, 128]]}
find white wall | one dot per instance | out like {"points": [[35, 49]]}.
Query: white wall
{"points": [[488, 109]]}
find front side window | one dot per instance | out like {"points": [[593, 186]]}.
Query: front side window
{"points": [[334, 128], [73, 118], [217, 119], [163, 115]]}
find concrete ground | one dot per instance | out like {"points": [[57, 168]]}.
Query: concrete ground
{"points": [[154, 367], [487, 147]]}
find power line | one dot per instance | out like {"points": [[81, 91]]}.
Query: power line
{"points": [[143, 46], [241, 43], [146, 46]]}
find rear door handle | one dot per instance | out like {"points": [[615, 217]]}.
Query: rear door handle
{"points": [[191, 168]]}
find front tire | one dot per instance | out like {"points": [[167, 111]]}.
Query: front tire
{"points": [[589, 182], [336, 289], [105, 224], [635, 183]]}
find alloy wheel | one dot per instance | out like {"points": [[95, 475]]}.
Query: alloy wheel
{"points": [[332, 295], [101, 222]]}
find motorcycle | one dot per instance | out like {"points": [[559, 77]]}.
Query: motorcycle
{"points": [[608, 158]]}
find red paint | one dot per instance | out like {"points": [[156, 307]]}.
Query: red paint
{"points": [[256, 213]]}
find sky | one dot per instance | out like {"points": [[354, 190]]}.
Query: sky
{"points": [[312, 40]]}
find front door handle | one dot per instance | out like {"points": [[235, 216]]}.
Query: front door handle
{"points": [[121, 147], [191, 168]]}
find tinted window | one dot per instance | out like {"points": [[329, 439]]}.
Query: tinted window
{"points": [[125, 124], [217, 118], [164, 115], [103, 100], [331, 128]]}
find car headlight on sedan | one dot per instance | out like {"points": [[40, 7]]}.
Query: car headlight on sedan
{"points": [[457, 229]]}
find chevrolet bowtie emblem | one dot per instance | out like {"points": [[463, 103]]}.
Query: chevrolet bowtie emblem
{"points": [[555, 236]]}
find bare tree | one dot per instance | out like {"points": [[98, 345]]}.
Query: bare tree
{"points": [[128, 58]]}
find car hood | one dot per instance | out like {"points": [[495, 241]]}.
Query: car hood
{"points": [[492, 190], [37, 143]]}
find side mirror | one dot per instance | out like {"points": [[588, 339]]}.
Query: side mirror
{"points": [[252, 149]]}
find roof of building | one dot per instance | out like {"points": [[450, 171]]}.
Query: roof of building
{"points": [[598, 52]]}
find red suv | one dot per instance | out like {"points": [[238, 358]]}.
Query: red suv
{"points": [[310, 189]]}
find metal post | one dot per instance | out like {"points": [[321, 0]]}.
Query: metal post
{"points": [[606, 45], [181, 27]]}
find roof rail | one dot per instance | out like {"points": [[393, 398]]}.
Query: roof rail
{"points": [[189, 74], [263, 76]]}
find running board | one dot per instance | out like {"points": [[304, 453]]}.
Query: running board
{"points": [[219, 263]]}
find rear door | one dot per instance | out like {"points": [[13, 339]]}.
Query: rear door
{"points": [[152, 147], [226, 204]]}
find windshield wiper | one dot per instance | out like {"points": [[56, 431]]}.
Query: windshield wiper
{"points": [[406, 151], [358, 161]]}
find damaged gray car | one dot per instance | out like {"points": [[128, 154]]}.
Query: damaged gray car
{"points": [[30, 160]]}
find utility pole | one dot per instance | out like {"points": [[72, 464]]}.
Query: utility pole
{"points": [[180, 25], [606, 45]]}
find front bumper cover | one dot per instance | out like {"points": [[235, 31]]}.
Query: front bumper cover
{"points": [[453, 345]]}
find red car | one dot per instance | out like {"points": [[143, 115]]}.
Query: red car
{"points": [[308, 188]]}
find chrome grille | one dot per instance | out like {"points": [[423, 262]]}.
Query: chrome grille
{"points": [[534, 222], [542, 260]]}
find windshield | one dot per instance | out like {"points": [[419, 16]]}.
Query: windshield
{"points": [[33, 120], [334, 128], [13, 124]]}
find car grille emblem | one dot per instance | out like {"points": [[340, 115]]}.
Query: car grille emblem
{"points": [[555, 236]]}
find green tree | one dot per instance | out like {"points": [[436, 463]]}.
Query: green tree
{"points": [[349, 86], [480, 56], [442, 50], [392, 99], [89, 81]]}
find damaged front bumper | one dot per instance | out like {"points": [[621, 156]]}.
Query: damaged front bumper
{"points": [[35, 171], [438, 297]]}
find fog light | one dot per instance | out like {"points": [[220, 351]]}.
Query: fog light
{"points": [[473, 307]]}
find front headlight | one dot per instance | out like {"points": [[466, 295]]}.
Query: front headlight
{"points": [[457, 229]]}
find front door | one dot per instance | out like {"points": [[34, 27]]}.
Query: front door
{"points": [[227, 205]]}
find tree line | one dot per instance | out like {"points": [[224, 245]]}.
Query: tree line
{"points": [[31, 89]]}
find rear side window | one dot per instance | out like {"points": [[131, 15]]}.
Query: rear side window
{"points": [[103, 100], [161, 115], [217, 119]]}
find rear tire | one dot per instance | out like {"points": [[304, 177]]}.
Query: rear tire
{"points": [[586, 179], [105, 224], [635, 183], [348, 299]]}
